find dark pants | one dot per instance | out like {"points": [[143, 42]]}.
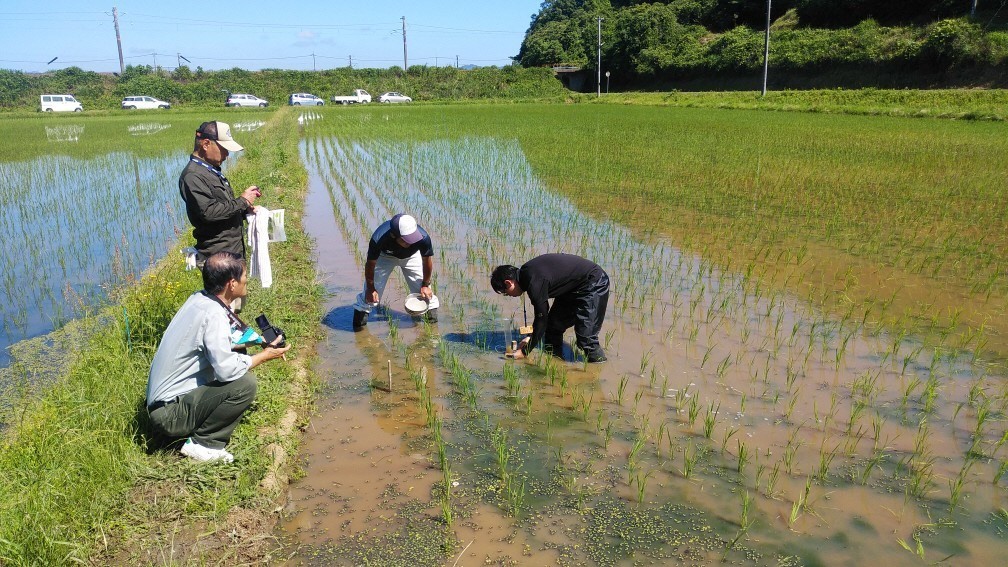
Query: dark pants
{"points": [[208, 414], [584, 309]]}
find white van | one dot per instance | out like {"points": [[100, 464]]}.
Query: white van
{"points": [[59, 103]]}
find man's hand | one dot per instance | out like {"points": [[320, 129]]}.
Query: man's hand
{"points": [[251, 194], [270, 352], [426, 292], [519, 354], [372, 296]]}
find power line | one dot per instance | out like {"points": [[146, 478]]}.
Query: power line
{"points": [[466, 30], [205, 22]]}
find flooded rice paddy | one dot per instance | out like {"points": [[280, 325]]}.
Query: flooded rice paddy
{"points": [[73, 227], [733, 423]]}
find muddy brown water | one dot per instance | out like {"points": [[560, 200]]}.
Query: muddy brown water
{"points": [[845, 441]]}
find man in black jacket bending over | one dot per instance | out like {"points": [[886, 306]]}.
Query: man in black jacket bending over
{"points": [[580, 292]]}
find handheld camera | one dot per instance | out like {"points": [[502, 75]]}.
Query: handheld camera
{"points": [[269, 332]]}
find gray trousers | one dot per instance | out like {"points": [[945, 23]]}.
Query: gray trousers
{"points": [[207, 414]]}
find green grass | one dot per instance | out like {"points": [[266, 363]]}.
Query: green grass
{"points": [[75, 474], [969, 104]]}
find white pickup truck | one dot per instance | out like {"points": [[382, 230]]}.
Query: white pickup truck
{"points": [[359, 96]]}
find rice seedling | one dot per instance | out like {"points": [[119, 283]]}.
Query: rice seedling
{"points": [[621, 390], [1001, 470], [790, 450], [728, 434], [690, 455], [635, 449], [800, 504], [772, 478], [825, 460], [710, 420], [446, 509], [641, 480], [645, 361], [956, 485], [745, 521], [693, 411], [743, 458]]}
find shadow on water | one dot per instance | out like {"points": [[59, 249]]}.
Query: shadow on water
{"points": [[340, 318]]}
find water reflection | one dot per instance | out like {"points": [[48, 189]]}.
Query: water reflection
{"points": [[67, 133], [248, 126], [147, 128]]}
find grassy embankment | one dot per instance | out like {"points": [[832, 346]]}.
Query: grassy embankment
{"points": [[80, 481]]}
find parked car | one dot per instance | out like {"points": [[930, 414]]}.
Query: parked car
{"points": [[359, 96], [241, 99], [304, 99], [59, 103], [134, 102], [394, 97]]}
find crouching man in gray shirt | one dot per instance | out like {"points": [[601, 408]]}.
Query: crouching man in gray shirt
{"points": [[198, 386]]}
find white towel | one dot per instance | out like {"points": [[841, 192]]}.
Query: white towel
{"points": [[258, 238]]}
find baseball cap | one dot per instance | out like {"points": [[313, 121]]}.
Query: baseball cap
{"points": [[406, 228], [219, 132]]}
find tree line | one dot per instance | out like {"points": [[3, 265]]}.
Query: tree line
{"points": [[658, 41], [209, 88]]}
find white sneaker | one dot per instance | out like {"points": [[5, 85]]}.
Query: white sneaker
{"points": [[198, 452]]}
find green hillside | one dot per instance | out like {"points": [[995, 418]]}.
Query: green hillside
{"points": [[814, 43]]}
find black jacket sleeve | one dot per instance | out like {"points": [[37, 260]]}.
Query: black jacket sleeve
{"points": [[538, 294], [209, 204]]}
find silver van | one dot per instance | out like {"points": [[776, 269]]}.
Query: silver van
{"points": [[304, 99], [59, 103]]}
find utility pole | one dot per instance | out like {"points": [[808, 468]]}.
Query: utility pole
{"points": [[973, 9], [155, 62], [598, 84], [313, 61], [404, 66], [456, 62], [766, 48], [351, 61], [115, 20]]}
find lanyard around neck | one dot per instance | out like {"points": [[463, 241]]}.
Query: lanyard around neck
{"points": [[212, 169], [232, 317]]}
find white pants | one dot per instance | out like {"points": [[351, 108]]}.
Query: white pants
{"points": [[412, 270]]}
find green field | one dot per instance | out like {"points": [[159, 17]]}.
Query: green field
{"points": [[771, 252]]}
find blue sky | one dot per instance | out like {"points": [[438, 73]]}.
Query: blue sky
{"points": [[255, 34]]}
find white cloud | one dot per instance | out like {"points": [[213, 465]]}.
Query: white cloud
{"points": [[306, 34]]}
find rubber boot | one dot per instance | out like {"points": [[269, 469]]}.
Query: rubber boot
{"points": [[359, 320]]}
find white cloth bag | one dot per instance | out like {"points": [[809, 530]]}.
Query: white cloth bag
{"points": [[258, 242]]}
